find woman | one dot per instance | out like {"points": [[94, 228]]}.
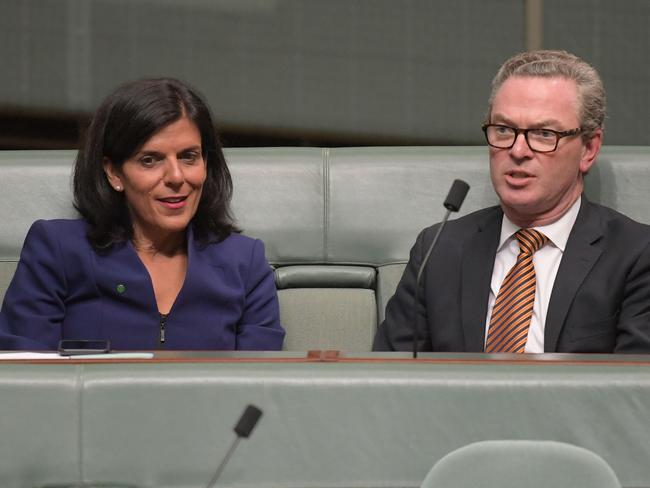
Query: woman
{"points": [[156, 261]]}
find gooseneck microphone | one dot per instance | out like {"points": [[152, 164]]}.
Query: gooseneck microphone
{"points": [[244, 427], [452, 203]]}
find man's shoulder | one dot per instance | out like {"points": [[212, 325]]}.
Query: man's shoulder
{"points": [[615, 221], [480, 217], [466, 226], [611, 231]]}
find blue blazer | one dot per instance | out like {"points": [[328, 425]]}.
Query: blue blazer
{"points": [[64, 289]]}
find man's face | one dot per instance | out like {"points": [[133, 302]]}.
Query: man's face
{"points": [[538, 188]]}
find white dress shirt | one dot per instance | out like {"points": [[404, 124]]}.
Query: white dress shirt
{"points": [[546, 262]]}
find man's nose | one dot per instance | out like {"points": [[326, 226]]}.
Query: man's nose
{"points": [[521, 149]]}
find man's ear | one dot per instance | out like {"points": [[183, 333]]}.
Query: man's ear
{"points": [[590, 150], [112, 175]]}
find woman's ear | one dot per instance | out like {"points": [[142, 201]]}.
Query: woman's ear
{"points": [[112, 175]]}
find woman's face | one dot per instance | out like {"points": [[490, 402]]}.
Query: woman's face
{"points": [[162, 181]]}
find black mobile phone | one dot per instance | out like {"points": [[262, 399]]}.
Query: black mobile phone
{"points": [[73, 347]]}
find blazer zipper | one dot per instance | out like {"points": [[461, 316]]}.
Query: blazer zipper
{"points": [[163, 322]]}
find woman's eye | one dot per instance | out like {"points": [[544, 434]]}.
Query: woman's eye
{"points": [[147, 161], [190, 157]]}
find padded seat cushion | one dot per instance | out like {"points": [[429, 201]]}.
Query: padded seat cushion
{"points": [[328, 318]]}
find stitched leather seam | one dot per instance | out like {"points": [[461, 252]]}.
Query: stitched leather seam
{"points": [[326, 202]]}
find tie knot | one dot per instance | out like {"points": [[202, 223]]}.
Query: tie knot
{"points": [[530, 240]]}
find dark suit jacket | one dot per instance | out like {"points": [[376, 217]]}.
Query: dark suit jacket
{"points": [[63, 289], [600, 301]]}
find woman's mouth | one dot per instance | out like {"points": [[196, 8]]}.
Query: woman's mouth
{"points": [[173, 202]]}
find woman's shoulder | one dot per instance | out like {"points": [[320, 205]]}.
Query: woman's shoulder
{"points": [[67, 230], [236, 248], [236, 239], [54, 225], [57, 239]]}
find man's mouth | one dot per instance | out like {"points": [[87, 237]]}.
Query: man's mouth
{"points": [[518, 174]]}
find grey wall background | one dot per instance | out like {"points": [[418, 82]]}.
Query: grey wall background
{"points": [[341, 71]]}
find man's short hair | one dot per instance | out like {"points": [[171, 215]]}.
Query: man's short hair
{"points": [[545, 63]]}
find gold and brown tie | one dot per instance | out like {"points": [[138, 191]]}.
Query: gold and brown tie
{"points": [[513, 307]]}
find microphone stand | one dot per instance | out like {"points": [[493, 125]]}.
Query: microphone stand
{"points": [[452, 203], [224, 461], [417, 293], [244, 427]]}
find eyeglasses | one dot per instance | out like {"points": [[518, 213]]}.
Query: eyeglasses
{"points": [[538, 140]]}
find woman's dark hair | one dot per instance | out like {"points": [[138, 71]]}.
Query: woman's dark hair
{"points": [[124, 121]]}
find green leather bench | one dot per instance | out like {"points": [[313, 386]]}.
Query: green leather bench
{"points": [[338, 224], [375, 424]]}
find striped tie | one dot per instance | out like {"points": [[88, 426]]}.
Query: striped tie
{"points": [[513, 307]]}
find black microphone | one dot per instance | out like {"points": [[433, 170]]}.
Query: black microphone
{"points": [[455, 197], [243, 429], [452, 203]]}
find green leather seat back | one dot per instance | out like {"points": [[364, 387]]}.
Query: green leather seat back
{"points": [[338, 224], [518, 463]]}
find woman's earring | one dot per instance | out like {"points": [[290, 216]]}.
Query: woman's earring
{"points": [[118, 188]]}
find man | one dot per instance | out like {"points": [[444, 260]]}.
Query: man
{"points": [[546, 270]]}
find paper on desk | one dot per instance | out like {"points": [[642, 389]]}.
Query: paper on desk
{"points": [[54, 355], [115, 355], [31, 355]]}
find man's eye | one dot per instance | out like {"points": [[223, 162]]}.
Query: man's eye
{"points": [[544, 134], [503, 131]]}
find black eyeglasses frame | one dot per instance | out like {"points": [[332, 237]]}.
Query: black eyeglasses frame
{"points": [[558, 135]]}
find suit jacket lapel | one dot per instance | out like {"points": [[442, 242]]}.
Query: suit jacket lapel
{"points": [[579, 257], [478, 260]]}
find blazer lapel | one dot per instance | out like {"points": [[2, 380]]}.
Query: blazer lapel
{"points": [[479, 253], [579, 257]]}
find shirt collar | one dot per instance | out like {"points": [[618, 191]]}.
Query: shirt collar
{"points": [[557, 232]]}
